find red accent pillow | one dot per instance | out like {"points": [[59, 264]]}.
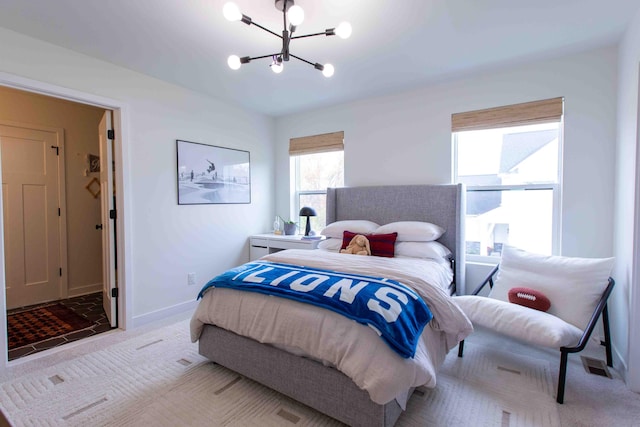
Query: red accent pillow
{"points": [[381, 244], [529, 298]]}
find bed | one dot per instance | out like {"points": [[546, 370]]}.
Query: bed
{"points": [[344, 384]]}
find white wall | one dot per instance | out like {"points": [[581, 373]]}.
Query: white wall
{"points": [[405, 138], [167, 240], [626, 296]]}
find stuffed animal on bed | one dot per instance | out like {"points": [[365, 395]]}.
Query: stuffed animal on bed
{"points": [[359, 245]]}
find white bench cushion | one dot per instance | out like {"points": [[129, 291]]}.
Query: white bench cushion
{"points": [[573, 285], [519, 322]]}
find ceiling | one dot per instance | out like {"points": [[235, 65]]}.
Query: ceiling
{"points": [[395, 44]]}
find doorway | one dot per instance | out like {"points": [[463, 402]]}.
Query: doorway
{"points": [[45, 326], [78, 273]]}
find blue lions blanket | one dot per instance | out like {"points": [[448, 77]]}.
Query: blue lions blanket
{"points": [[393, 310]]}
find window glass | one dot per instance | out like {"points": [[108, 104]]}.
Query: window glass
{"points": [[509, 156], [321, 170], [512, 179], [319, 203], [521, 218], [314, 174]]}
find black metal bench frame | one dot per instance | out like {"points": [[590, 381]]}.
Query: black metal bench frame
{"points": [[601, 309]]}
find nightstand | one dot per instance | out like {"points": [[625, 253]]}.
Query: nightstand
{"points": [[263, 244]]}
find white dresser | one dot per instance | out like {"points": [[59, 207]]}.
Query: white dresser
{"points": [[263, 244]]}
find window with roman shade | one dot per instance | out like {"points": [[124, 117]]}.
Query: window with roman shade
{"points": [[317, 162], [509, 157]]}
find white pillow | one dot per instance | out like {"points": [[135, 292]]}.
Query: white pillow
{"points": [[434, 250], [412, 231], [335, 229], [518, 321], [330, 244], [573, 285]]}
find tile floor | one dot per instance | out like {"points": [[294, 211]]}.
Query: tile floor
{"points": [[88, 306]]}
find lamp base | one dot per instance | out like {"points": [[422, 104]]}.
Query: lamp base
{"points": [[307, 229]]}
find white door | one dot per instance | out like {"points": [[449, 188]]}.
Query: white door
{"points": [[109, 287], [30, 196]]}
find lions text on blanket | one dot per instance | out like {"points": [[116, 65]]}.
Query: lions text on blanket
{"points": [[396, 312]]}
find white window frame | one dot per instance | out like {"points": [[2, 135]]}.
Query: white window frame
{"points": [[556, 241]]}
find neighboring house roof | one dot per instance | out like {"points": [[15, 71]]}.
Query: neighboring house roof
{"points": [[517, 147], [479, 202]]}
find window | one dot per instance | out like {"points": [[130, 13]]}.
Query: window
{"points": [[510, 160], [317, 163]]}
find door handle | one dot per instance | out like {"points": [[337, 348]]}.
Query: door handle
{"points": [[98, 226]]}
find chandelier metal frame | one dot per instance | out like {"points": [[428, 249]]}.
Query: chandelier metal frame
{"points": [[287, 36]]}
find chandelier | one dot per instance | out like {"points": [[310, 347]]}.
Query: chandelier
{"points": [[293, 15]]}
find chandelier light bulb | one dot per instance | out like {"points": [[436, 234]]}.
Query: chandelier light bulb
{"points": [[231, 11], [277, 68], [344, 30], [328, 70], [295, 15], [234, 62]]}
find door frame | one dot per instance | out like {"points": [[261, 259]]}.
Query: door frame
{"points": [[633, 354], [63, 286], [124, 274]]}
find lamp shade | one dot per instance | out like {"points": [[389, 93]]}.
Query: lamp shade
{"points": [[307, 211]]}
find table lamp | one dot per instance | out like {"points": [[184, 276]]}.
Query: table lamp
{"points": [[307, 211]]}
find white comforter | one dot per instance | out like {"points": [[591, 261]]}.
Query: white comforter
{"points": [[355, 349]]}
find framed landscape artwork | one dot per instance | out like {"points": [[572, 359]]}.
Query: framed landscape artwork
{"points": [[208, 174]]}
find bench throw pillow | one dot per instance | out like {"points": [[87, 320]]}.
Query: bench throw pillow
{"points": [[573, 285], [528, 297]]}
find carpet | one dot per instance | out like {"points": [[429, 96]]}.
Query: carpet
{"points": [[159, 379], [41, 323]]}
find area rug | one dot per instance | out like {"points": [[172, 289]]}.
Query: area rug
{"points": [[41, 323], [159, 379]]}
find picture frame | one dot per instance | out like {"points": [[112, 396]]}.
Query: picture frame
{"points": [[208, 174], [94, 163]]}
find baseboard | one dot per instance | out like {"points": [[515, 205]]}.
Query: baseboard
{"points": [[621, 362], [154, 316], [84, 290]]}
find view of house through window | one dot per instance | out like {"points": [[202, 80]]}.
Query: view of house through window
{"points": [[512, 179], [314, 173]]}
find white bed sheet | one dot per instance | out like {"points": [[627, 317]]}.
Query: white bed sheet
{"points": [[353, 348]]}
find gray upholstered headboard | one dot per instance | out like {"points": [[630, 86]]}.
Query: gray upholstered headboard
{"points": [[443, 205]]}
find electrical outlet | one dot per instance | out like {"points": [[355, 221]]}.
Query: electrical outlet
{"points": [[191, 279]]}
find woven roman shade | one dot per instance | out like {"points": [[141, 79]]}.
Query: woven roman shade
{"points": [[544, 111], [323, 143]]}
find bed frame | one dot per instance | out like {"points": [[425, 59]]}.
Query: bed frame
{"points": [[307, 381]]}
